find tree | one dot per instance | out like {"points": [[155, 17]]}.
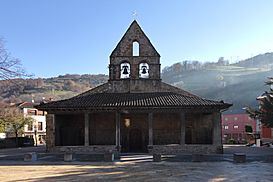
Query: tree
{"points": [[10, 67], [265, 111], [248, 129], [12, 119]]}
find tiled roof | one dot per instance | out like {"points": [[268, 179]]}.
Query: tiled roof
{"points": [[132, 100], [27, 105]]}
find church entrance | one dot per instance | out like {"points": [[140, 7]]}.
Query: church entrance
{"points": [[134, 133], [135, 141]]}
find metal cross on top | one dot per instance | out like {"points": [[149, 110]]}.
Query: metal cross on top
{"points": [[134, 15]]}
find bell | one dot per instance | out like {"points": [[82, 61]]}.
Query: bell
{"points": [[125, 70], [144, 70]]}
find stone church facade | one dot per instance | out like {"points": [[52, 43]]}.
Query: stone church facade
{"points": [[135, 111]]}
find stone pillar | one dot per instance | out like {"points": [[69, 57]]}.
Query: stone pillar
{"points": [[50, 131], [118, 131], [86, 129], [182, 128], [217, 132], [150, 124]]}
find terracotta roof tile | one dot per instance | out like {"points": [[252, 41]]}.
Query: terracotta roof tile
{"points": [[132, 100]]}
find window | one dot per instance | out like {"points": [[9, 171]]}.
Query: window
{"points": [[124, 70], [30, 127], [40, 126], [235, 126], [226, 119], [31, 112], [135, 48], [226, 127], [235, 119], [40, 113], [143, 70]]}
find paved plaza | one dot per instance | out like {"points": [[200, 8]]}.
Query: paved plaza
{"points": [[140, 171], [133, 168]]}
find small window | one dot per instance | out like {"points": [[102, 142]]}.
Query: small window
{"points": [[226, 119], [143, 70], [226, 127], [40, 113], [40, 126], [235, 119], [31, 112], [30, 127], [124, 70], [235, 126], [135, 48]]}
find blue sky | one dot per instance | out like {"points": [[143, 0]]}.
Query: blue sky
{"points": [[56, 37]]}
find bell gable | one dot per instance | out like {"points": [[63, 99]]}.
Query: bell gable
{"points": [[134, 57], [134, 34]]}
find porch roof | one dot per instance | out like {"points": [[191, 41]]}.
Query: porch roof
{"points": [[133, 100]]}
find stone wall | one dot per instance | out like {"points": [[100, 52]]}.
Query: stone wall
{"points": [[186, 149], [50, 131], [84, 149], [102, 129], [124, 53], [136, 86], [125, 45], [69, 129], [166, 128], [199, 128]]}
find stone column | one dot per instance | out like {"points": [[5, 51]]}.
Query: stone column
{"points": [[217, 132], [118, 131], [182, 128], [50, 131], [150, 125], [86, 129]]}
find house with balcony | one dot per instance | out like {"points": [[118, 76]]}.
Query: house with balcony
{"points": [[36, 130]]}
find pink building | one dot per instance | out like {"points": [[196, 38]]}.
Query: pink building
{"points": [[233, 127]]}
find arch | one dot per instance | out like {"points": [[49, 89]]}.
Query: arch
{"points": [[125, 70], [143, 70], [135, 48]]}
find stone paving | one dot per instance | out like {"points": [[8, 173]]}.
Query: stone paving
{"points": [[133, 168], [139, 171]]}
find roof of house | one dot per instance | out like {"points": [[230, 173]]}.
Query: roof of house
{"points": [[27, 104], [158, 100]]}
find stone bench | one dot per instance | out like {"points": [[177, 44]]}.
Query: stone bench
{"points": [[106, 157], [157, 157], [30, 157], [198, 158], [68, 157], [239, 157], [109, 157]]}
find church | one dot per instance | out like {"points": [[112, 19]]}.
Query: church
{"points": [[134, 111]]}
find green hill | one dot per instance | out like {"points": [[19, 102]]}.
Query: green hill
{"points": [[238, 83], [57, 88]]}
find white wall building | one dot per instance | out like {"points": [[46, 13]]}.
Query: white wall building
{"points": [[37, 130]]}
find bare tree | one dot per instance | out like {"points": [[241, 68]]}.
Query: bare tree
{"points": [[10, 67]]}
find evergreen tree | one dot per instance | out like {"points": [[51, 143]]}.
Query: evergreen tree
{"points": [[265, 111]]}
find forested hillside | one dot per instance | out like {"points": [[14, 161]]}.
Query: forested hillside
{"points": [[60, 87], [238, 83]]}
